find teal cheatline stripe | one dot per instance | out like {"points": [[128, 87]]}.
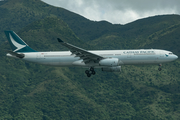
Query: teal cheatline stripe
{"points": [[16, 43]]}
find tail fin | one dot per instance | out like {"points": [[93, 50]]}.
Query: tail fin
{"points": [[17, 44]]}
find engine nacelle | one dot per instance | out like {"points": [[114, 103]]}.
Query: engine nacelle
{"points": [[109, 62], [112, 69]]}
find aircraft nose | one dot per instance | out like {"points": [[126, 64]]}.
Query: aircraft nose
{"points": [[176, 56]]}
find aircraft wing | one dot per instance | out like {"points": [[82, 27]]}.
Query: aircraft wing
{"points": [[83, 54]]}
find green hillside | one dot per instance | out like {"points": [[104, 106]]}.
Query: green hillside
{"points": [[16, 14], [31, 91], [145, 33]]}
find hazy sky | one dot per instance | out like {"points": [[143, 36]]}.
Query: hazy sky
{"points": [[118, 11]]}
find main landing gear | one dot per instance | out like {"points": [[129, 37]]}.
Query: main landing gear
{"points": [[160, 65], [90, 72]]}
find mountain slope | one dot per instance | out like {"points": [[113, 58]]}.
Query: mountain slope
{"points": [[16, 14], [159, 32]]}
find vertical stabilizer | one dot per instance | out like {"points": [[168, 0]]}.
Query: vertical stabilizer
{"points": [[16, 43]]}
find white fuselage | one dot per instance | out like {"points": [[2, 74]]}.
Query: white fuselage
{"points": [[126, 57]]}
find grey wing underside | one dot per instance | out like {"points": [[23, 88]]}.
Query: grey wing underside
{"points": [[85, 55]]}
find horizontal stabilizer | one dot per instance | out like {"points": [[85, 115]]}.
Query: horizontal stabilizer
{"points": [[19, 55]]}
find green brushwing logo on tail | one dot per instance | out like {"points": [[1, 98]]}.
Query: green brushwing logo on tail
{"points": [[17, 44]]}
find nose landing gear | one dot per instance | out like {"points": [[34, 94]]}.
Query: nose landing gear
{"points": [[160, 65], [90, 72]]}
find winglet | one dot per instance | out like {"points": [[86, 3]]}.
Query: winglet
{"points": [[59, 40]]}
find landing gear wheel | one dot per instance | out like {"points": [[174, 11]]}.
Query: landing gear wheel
{"points": [[160, 65], [90, 72], [91, 69], [88, 75], [87, 71], [93, 73], [159, 69]]}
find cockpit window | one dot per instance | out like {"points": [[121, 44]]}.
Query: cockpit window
{"points": [[170, 53]]}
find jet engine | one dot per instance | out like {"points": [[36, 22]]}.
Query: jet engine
{"points": [[112, 69], [109, 62]]}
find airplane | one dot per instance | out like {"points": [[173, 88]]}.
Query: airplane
{"points": [[107, 60]]}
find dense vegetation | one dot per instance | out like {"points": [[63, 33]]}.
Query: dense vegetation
{"points": [[32, 91]]}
